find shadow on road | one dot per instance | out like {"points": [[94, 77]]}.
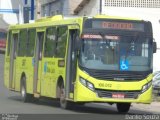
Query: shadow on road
{"points": [[87, 108], [15, 98]]}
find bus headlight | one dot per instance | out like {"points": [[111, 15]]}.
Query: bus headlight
{"points": [[90, 86], [86, 83], [146, 86], [83, 81]]}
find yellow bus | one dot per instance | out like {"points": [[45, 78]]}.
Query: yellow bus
{"points": [[81, 60]]}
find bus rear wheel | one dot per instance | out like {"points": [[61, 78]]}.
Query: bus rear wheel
{"points": [[65, 104], [24, 95], [123, 107]]}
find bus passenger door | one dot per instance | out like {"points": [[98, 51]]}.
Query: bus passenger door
{"points": [[37, 63], [71, 63], [13, 55]]}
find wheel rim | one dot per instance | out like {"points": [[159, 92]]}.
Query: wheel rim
{"points": [[23, 92], [62, 95]]}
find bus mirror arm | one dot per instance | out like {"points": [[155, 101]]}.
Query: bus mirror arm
{"points": [[154, 47]]}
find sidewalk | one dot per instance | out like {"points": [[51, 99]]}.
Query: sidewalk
{"points": [[153, 107]]}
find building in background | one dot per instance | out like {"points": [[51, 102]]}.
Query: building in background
{"points": [[14, 12], [10, 11], [54, 7], [17, 11], [88, 8], [29, 10]]}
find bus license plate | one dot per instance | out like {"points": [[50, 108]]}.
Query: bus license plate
{"points": [[118, 95]]}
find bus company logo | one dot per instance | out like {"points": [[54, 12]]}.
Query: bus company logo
{"points": [[45, 67], [88, 36]]}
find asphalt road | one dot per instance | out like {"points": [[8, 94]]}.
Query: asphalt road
{"points": [[10, 102]]}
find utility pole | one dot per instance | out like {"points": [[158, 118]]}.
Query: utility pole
{"points": [[100, 7], [26, 12], [32, 9], [38, 9]]}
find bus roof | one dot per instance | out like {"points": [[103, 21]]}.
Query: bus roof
{"points": [[47, 21]]}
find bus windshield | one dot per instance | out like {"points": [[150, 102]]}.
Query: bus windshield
{"points": [[116, 52]]}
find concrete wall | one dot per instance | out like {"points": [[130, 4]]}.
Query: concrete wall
{"points": [[91, 9], [46, 1], [64, 7], [52, 8], [72, 5]]}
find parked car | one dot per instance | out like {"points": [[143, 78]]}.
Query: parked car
{"points": [[156, 82], [156, 87], [3, 37], [156, 75]]}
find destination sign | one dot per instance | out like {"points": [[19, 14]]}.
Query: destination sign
{"points": [[115, 25]]}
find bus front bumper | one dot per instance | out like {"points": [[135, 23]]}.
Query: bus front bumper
{"points": [[83, 94]]}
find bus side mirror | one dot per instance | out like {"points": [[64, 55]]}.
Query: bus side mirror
{"points": [[154, 47]]}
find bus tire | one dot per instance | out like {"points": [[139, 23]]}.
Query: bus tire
{"points": [[65, 104], [123, 107], [24, 95]]}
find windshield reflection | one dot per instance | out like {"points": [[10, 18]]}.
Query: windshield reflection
{"points": [[127, 53]]}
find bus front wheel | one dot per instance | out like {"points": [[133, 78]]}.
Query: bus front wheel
{"points": [[123, 107]]}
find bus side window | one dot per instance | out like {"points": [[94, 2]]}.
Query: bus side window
{"points": [[31, 42], [22, 43], [9, 42], [61, 41], [50, 43]]}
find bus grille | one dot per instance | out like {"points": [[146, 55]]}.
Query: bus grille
{"points": [[127, 94], [117, 75]]}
